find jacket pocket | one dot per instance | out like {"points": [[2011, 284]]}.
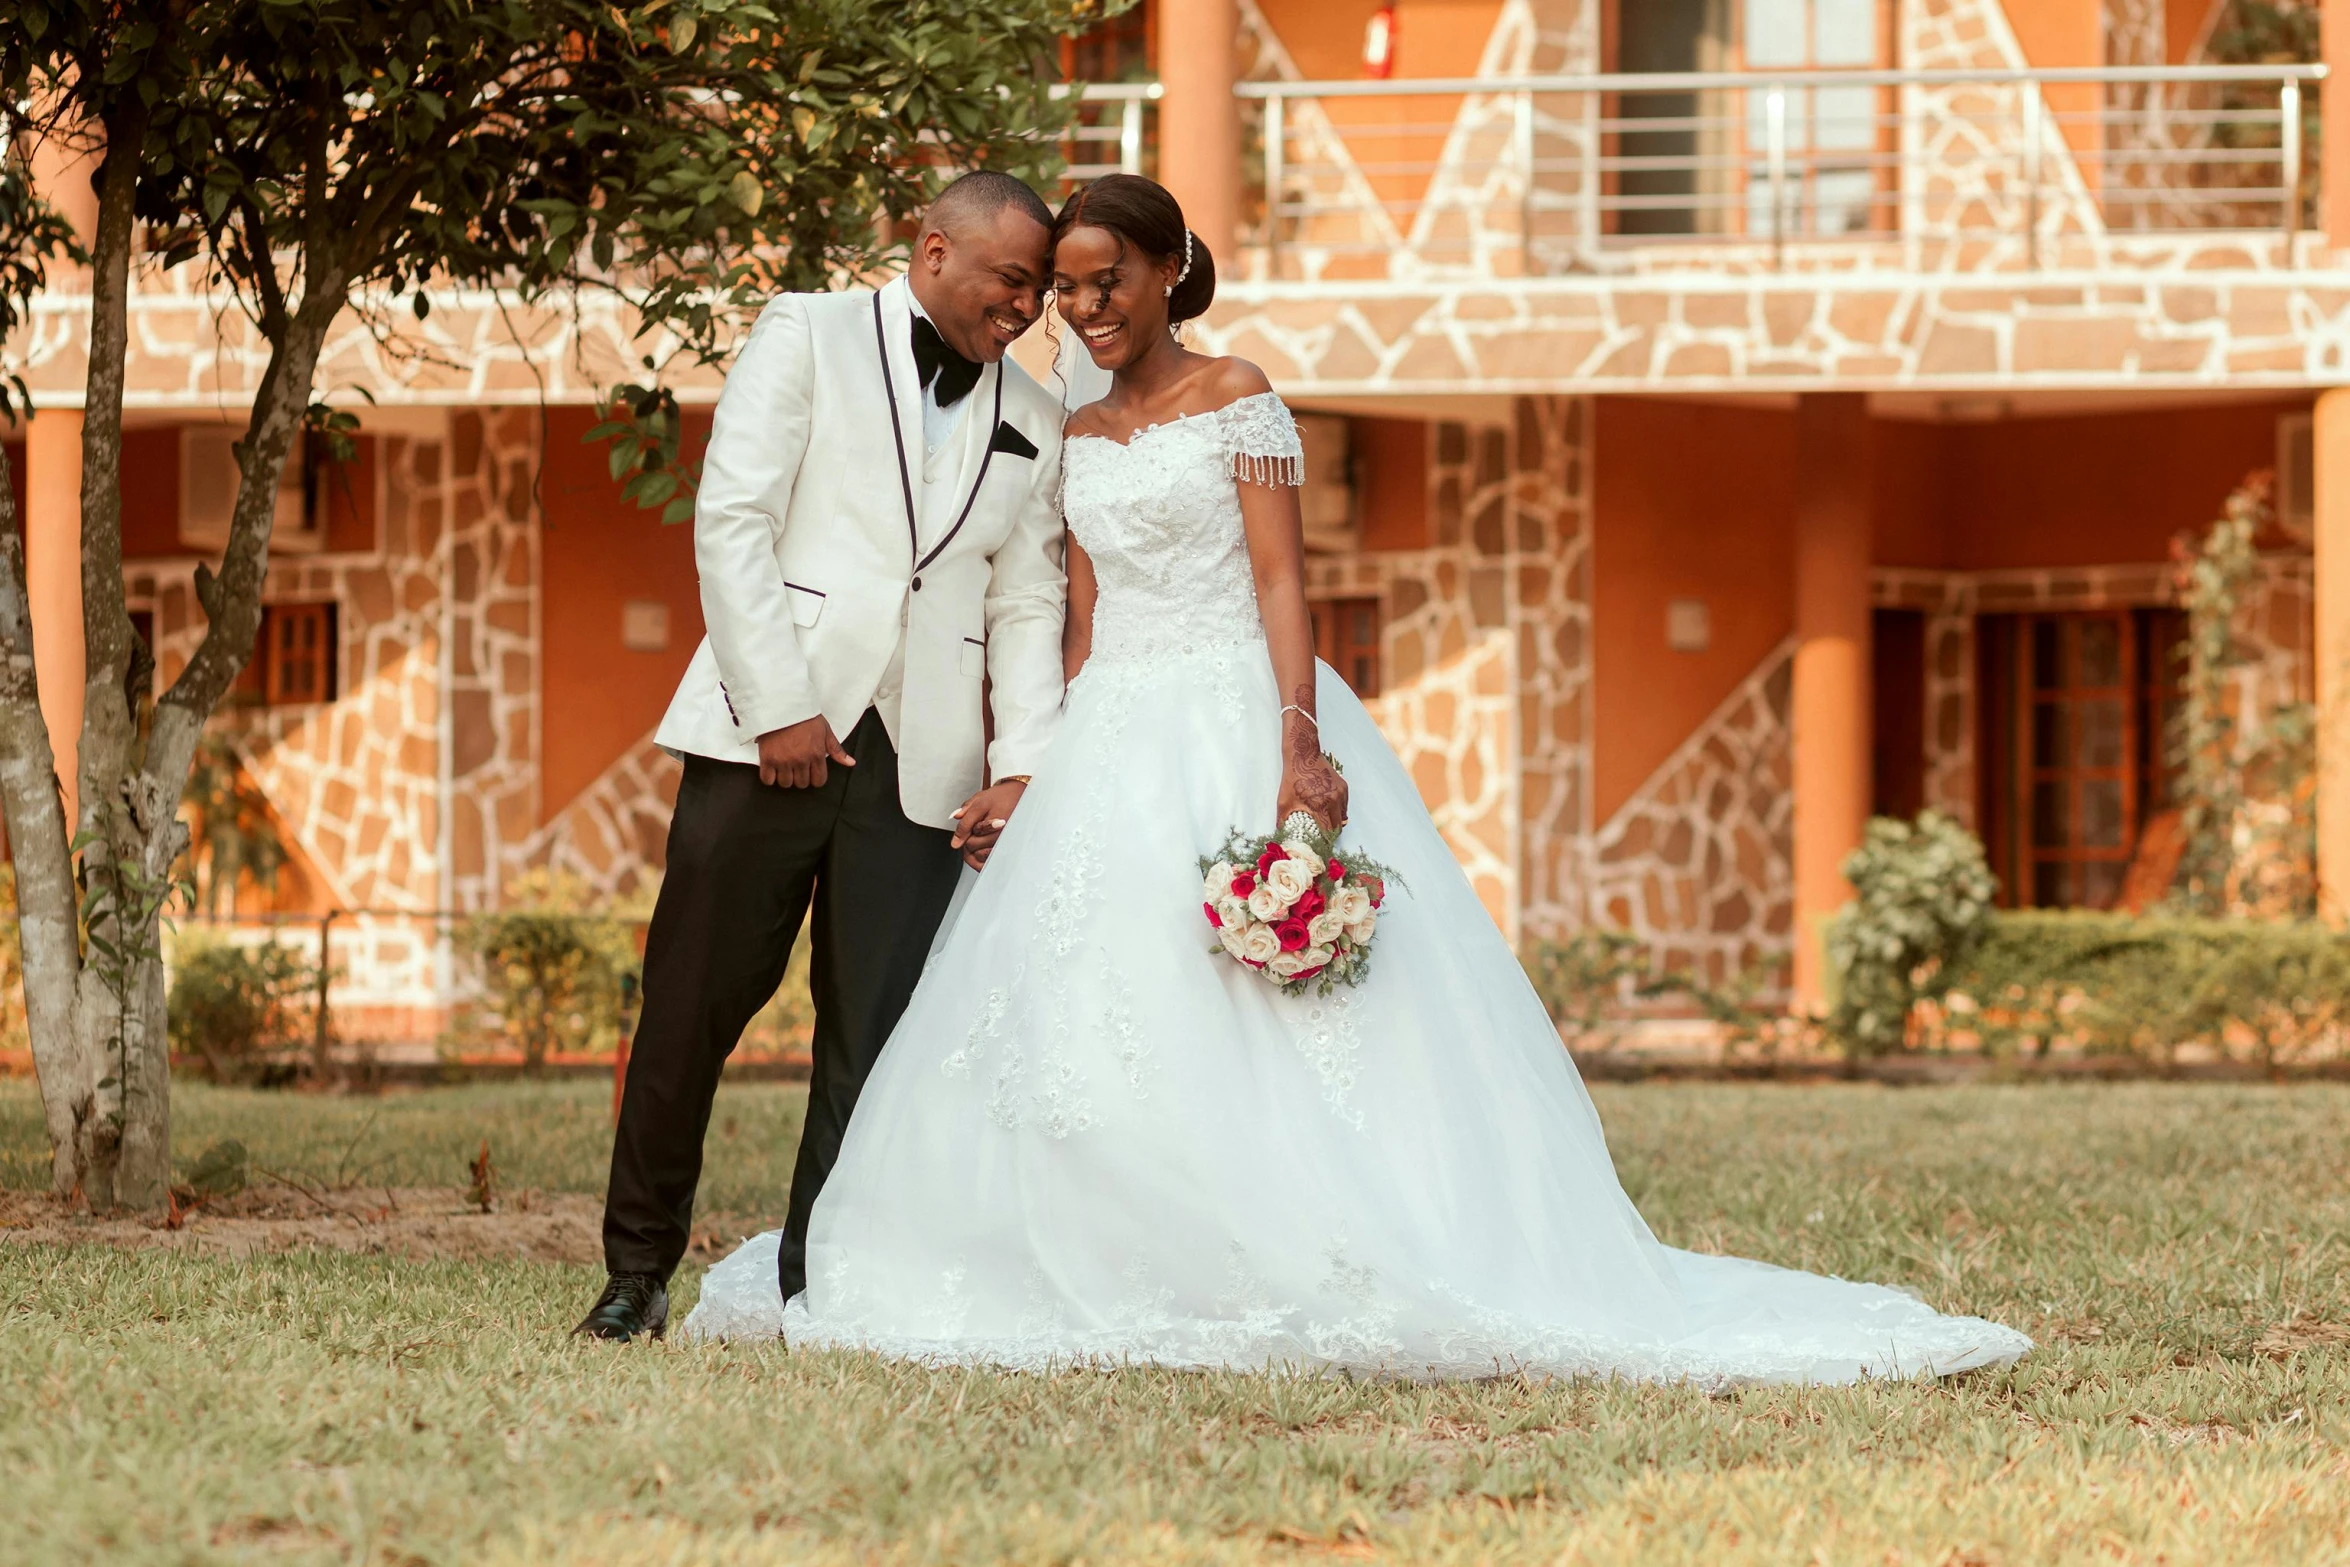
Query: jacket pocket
{"points": [[806, 604], [974, 657]]}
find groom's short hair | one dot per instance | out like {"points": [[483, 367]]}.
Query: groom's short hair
{"points": [[979, 196]]}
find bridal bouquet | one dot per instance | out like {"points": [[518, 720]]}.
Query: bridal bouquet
{"points": [[1294, 907]]}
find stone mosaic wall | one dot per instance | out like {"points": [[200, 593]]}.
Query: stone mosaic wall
{"points": [[439, 697], [615, 835], [1485, 663], [1699, 862]]}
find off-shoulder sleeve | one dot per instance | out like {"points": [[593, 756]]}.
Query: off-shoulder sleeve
{"points": [[1262, 440]]}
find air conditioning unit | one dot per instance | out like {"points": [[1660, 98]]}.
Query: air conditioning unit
{"points": [[209, 478], [1327, 503]]}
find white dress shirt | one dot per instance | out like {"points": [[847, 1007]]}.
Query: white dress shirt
{"points": [[937, 425]]}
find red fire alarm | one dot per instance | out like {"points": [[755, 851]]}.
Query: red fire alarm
{"points": [[1379, 44]]}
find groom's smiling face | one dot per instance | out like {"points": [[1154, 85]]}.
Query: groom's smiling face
{"points": [[981, 277]]}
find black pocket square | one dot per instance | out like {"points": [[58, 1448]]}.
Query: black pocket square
{"points": [[1011, 442]]}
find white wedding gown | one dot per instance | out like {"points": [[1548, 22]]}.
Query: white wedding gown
{"points": [[1094, 1137]]}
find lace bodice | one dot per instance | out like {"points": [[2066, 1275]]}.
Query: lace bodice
{"points": [[1160, 518]]}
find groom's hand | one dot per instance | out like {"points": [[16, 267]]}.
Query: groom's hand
{"points": [[981, 820], [795, 757]]}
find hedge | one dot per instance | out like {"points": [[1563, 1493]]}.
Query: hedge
{"points": [[2272, 992]]}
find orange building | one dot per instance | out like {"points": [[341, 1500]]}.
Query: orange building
{"points": [[1726, 418]]}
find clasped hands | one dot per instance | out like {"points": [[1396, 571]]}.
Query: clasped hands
{"points": [[802, 755]]}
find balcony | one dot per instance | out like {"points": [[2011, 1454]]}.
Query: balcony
{"points": [[1944, 232], [1863, 170]]}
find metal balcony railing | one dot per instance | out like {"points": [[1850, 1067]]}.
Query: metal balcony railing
{"points": [[1556, 174], [1108, 135]]}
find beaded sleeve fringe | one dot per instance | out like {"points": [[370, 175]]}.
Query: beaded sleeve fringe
{"points": [[1262, 438], [1276, 471]]}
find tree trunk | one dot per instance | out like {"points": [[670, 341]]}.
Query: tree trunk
{"points": [[94, 992], [125, 829]]}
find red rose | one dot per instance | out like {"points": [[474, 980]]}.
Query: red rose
{"points": [[1273, 855], [1252, 962], [1243, 883], [1214, 918], [1376, 888], [1293, 934], [1338, 870], [1305, 974], [1309, 903]]}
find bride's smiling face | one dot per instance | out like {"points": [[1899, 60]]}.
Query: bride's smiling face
{"points": [[1112, 295]]}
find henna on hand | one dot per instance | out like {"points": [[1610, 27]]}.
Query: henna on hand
{"points": [[1310, 779]]}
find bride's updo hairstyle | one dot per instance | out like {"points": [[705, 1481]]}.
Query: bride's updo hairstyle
{"points": [[1141, 213]]}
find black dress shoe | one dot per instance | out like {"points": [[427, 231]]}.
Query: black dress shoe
{"points": [[632, 1304]]}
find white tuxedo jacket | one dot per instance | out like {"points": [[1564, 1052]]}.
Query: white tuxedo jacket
{"points": [[822, 535]]}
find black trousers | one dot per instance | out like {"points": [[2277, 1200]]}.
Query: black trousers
{"points": [[746, 861]]}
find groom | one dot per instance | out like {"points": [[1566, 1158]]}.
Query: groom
{"points": [[879, 540]]}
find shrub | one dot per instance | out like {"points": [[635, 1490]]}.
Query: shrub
{"points": [[243, 1011], [1583, 980], [2267, 991], [553, 969], [1923, 902]]}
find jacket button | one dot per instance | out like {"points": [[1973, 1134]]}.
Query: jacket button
{"points": [[917, 584]]}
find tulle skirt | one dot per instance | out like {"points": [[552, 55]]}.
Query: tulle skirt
{"points": [[1094, 1137]]}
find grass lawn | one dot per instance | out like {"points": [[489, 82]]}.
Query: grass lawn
{"points": [[2182, 1254]]}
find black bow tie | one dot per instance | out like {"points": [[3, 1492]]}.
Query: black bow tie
{"points": [[954, 374]]}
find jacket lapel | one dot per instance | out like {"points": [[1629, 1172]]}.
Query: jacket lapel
{"points": [[905, 381]]}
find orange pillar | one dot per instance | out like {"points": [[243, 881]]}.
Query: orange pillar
{"points": [[1831, 694], [1199, 120], [2331, 443], [53, 580], [53, 501]]}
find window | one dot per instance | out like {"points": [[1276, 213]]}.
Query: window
{"points": [[294, 659], [1832, 132], [1346, 637], [2074, 762], [2297, 476]]}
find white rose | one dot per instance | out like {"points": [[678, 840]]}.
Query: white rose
{"points": [[1351, 905], [1359, 931], [1317, 956], [1266, 904], [1323, 928], [1285, 965], [1297, 850], [1258, 944], [1229, 937], [1232, 911], [1289, 878], [1219, 881]]}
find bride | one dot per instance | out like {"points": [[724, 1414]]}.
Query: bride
{"points": [[1094, 1137]]}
